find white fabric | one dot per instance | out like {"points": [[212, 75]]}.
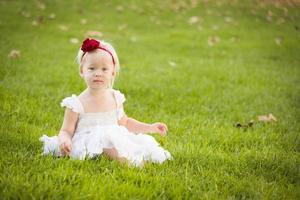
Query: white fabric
{"points": [[95, 131]]}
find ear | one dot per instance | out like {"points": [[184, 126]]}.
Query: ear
{"points": [[113, 73], [81, 72]]}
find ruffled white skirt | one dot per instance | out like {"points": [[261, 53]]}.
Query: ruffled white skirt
{"points": [[136, 148]]}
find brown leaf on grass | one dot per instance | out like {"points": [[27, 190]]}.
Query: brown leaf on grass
{"points": [[133, 39], [194, 3], [253, 12], [94, 34], [269, 18], [178, 5], [280, 21], [270, 13], [212, 40], [215, 27], [34, 23], [133, 7], [74, 40], [83, 21], [40, 5], [14, 54], [209, 12], [234, 39], [63, 27], [246, 125], [25, 14], [120, 8], [267, 118], [40, 19], [37, 21], [193, 20], [52, 16], [228, 19], [278, 40]]}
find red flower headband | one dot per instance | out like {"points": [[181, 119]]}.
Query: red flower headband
{"points": [[91, 44]]}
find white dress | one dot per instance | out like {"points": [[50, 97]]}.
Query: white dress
{"points": [[95, 131]]}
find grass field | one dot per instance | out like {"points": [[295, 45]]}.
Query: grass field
{"points": [[200, 68]]}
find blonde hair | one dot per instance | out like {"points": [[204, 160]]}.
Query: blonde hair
{"points": [[110, 48]]}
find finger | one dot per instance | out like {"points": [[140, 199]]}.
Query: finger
{"points": [[62, 147], [69, 148]]}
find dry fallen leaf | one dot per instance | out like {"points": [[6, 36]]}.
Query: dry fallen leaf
{"points": [[133, 39], [280, 20], [41, 6], [133, 7], [235, 39], [278, 40], [193, 20], [269, 18], [14, 54], [247, 125], [215, 27], [25, 14], [83, 21], [209, 12], [267, 118], [270, 13], [212, 40], [63, 27], [194, 3], [228, 19], [52, 16], [120, 8], [34, 23], [178, 5], [74, 40], [94, 34]]}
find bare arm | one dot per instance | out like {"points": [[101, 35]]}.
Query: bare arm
{"points": [[136, 126], [67, 131]]}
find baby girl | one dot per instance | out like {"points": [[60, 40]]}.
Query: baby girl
{"points": [[95, 122]]}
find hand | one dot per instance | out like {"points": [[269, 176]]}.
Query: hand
{"points": [[160, 128], [65, 146]]}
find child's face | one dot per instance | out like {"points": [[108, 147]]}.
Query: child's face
{"points": [[97, 69]]}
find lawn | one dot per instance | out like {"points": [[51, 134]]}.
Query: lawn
{"points": [[202, 67]]}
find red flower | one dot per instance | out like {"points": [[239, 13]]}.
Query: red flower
{"points": [[89, 45]]}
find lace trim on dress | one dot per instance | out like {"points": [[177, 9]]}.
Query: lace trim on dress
{"points": [[75, 105], [72, 103]]}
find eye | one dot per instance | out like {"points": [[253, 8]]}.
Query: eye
{"points": [[104, 69], [91, 68]]}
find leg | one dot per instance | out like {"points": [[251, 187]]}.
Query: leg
{"points": [[113, 154]]}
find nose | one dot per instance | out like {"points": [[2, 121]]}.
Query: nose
{"points": [[97, 73]]}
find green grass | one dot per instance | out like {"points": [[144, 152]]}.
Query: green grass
{"points": [[210, 89]]}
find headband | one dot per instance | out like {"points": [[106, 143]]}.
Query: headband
{"points": [[91, 44]]}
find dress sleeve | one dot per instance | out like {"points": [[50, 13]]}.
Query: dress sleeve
{"points": [[72, 103], [120, 99]]}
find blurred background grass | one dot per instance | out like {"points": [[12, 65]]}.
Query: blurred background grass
{"points": [[199, 66]]}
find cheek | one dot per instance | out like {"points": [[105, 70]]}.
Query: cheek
{"points": [[86, 76]]}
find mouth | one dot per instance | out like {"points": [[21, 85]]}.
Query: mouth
{"points": [[98, 81]]}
